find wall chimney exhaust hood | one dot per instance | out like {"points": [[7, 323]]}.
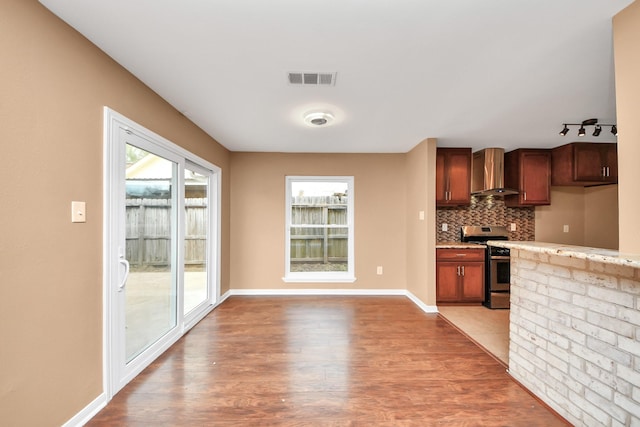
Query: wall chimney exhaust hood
{"points": [[487, 173]]}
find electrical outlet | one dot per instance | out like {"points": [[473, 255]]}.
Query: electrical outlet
{"points": [[379, 270], [565, 228], [421, 215], [513, 226], [445, 227]]}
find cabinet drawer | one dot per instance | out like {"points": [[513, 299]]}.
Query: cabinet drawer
{"points": [[459, 254]]}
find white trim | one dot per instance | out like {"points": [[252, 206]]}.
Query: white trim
{"points": [[88, 412], [417, 301], [430, 309], [321, 277], [223, 297], [288, 292], [113, 123], [325, 278]]}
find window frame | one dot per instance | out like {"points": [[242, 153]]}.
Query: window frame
{"points": [[321, 276]]}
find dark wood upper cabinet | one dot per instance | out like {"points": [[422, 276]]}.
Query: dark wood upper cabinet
{"points": [[529, 172], [453, 176], [584, 163]]}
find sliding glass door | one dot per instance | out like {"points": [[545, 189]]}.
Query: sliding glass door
{"points": [[161, 240]]}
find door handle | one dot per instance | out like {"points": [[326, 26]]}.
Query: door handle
{"points": [[123, 282]]}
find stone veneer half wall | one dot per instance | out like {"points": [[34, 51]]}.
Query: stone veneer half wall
{"points": [[574, 336], [485, 211]]}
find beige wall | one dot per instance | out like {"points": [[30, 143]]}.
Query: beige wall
{"points": [[421, 234], [258, 206], [590, 212], [54, 86], [626, 37], [567, 208], [601, 217]]}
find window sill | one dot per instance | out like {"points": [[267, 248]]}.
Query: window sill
{"points": [[319, 279]]}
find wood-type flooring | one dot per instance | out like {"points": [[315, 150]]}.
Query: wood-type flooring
{"points": [[324, 361]]}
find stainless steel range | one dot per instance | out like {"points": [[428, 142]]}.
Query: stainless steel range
{"points": [[496, 263]]}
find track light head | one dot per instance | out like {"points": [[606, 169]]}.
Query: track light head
{"points": [[564, 131], [597, 130], [589, 122]]}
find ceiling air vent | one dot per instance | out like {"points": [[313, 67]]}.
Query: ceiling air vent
{"points": [[314, 79]]}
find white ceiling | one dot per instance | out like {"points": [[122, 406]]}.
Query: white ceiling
{"points": [[490, 73]]}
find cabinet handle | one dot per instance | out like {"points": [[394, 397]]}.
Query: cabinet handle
{"points": [[461, 254], [463, 270], [458, 270], [608, 171], [604, 171], [525, 196]]}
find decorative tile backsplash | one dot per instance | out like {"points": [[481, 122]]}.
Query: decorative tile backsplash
{"points": [[487, 210]]}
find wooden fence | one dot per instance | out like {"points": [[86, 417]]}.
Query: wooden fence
{"points": [[148, 237], [319, 232]]}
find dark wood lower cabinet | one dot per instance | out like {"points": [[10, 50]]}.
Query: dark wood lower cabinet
{"points": [[459, 275]]}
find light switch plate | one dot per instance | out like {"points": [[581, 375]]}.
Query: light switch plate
{"points": [[565, 228], [78, 212], [421, 215]]}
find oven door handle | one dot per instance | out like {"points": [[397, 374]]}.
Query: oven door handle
{"points": [[500, 258]]}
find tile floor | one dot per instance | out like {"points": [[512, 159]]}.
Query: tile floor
{"points": [[489, 328]]}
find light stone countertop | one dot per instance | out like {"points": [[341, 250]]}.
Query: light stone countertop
{"points": [[606, 256], [458, 245]]}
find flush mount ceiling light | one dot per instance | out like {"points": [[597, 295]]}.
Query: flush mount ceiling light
{"points": [[588, 122], [318, 118]]}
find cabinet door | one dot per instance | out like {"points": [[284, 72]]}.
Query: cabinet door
{"points": [[473, 282], [588, 162], [447, 282], [441, 183], [536, 178], [459, 172], [610, 155]]}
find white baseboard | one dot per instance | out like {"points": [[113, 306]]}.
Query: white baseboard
{"points": [[364, 292], [88, 412], [223, 297], [302, 292], [424, 307]]}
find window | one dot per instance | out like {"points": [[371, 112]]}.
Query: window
{"points": [[319, 229]]}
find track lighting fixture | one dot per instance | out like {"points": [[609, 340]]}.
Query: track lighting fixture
{"points": [[597, 130], [589, 122]]}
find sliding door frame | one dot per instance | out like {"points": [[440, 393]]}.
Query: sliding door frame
{"points": [[114, 124]]}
